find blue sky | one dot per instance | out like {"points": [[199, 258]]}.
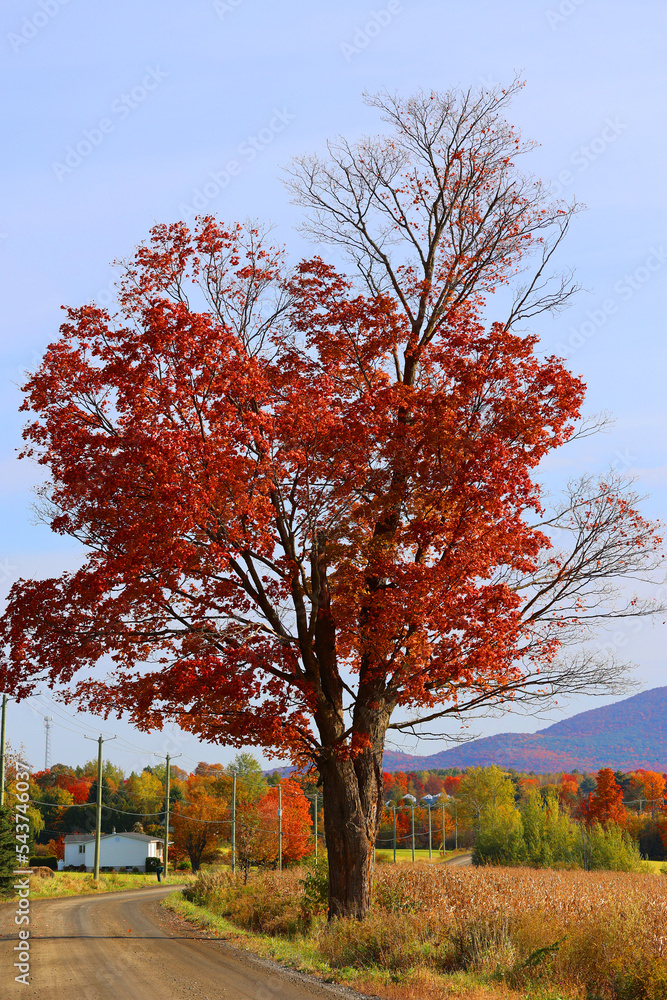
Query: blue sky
{"points": [[120, 115]]}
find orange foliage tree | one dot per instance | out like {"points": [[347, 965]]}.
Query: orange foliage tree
{"points": [[434, 785], [296, 823], [308, 498], [654, 789], [568, 791], [198, 823], [79, 788], [605, 805]]}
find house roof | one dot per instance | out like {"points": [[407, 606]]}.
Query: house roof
{"points": [[85, 838]]}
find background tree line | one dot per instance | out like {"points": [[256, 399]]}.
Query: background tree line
{"points": [[601, 820]]}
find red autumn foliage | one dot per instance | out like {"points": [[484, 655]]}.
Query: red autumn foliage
{"points": [[452, 782], [401, 782], [568, 791], [297, 821], [56, 848], [605, 805], [79, 788], [434, 785], [305, 498]]}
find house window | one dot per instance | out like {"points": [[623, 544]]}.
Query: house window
{"points": [[82, 848]]}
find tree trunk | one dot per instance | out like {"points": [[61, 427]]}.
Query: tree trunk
{"points": [[352, 813]]}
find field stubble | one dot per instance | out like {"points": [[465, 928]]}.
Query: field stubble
{"points": [[542, 933]]}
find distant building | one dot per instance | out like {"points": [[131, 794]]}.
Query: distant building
{"points": [[117, 850]]}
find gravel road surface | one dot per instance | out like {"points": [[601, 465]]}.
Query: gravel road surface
{"points": [[459, 861], [124, 946]]}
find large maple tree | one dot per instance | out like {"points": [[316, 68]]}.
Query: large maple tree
{"points": [[308, 499]]}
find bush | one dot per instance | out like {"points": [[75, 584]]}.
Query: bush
{"points": [[316, 884], [385, 941], [7, 853], [610, 848], [543, 836], [44, 862], [152, 864], [266, 904]]}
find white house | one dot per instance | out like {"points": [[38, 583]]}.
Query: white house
{"points": [[117, 850]]}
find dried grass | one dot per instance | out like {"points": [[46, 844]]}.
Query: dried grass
{"points": [[599, 935]]}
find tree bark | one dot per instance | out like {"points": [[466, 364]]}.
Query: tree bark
{"points": [[352, 813]]}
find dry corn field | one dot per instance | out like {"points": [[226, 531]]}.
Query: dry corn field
{"points": [[584, 935], [571, 896]]}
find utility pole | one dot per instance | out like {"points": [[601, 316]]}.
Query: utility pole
{"points": [[442, 807], [280, 827], [167, 790], [413, 834], [456, 826], [233, 822], [2, 750], [167, 810], [98, 811], [315, 827], [430, 852], [393, 814]]}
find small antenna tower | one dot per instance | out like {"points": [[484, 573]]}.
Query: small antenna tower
{"points": [[48, 726]]}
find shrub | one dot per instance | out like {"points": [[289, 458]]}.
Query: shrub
{"points": [[268, 903], [610, 848], [44, 862], [152, 864], [385, 941], [315, 883], [481, 942]]}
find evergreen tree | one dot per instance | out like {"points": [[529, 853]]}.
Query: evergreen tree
{"points": [[7, 853]]}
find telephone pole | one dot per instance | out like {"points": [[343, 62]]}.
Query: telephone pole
{"points": [[98, 811], [167, 809], [442, 806], [430, 852]]}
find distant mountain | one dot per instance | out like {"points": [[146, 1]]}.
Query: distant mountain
{"points": [[629, 734]]}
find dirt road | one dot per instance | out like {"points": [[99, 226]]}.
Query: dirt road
{"points": [[124, 946], [459, 860]]}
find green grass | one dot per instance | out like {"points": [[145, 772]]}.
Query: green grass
{"points": [[83, 883], [656, 866], [404, 855], [298, 953]]}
